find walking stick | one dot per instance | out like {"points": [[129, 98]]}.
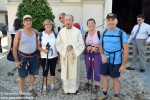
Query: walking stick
{"points": [[92, 69], [46, 64], [89, 64], [11, 73]]}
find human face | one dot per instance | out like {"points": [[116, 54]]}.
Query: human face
{"points": [[111, 23], [140, 21], [91, 25], [61, 19], [68, 22], [48, 26], [27, 23]]}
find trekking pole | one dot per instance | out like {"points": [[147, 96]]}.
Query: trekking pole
{"points": [[89, 64], [11, 73], [46, 64], [92, 70]]}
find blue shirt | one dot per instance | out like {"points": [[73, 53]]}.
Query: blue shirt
{"points": [[112, 44]]}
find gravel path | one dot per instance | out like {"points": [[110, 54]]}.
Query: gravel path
{"points": [[132, 86]]}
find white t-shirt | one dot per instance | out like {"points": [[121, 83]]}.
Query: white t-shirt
{"points": [[12, 31], [1, 34], [52, 42]]}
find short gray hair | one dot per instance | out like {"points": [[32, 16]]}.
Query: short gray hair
{"points": [[62, 14], [70, 16]]}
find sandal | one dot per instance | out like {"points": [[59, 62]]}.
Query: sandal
{"points": [[96, 89]]}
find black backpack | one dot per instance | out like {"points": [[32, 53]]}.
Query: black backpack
{"points": [[41, 34]]}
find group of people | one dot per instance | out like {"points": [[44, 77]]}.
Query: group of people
{"points": [[105, 53]]}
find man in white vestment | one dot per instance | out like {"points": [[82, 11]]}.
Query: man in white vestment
{"points": [[70, 45]]}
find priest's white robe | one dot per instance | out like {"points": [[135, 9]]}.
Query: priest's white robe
{"points": [[70, 61]]}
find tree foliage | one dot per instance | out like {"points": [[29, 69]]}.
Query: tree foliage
{"points": [[38, 9]]}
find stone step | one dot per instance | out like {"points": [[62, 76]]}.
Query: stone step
{"points": [[131, 56]]}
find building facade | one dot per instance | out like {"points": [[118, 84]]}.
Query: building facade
{"points": [[82, 10]]}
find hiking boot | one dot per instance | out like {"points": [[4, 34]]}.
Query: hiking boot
{"points": [[115, 98], [96, 89], [102, 97], [21, 96], [86, 86], [33, 93], [142, 70], [59, 70]]}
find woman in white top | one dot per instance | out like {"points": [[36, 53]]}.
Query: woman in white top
{"points": [[48, 37], [16, 26]]}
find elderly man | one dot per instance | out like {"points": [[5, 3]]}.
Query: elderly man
{"points": [[70, 45], [112, 44], [62, 20]]}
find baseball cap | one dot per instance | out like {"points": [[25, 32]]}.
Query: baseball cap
{"points": [[27, 16], [111, 15]]}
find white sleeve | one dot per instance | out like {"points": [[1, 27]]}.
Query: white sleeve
{"points": [[1, 34]]}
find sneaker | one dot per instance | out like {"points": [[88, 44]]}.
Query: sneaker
{"points": [[142, 70], [115, 98], [96, 89], [45, 91], [86, 86], [52, 87], [32, 93], [102, 97]]}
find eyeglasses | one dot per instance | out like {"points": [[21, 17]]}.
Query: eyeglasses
{"points": [[138, 20]]}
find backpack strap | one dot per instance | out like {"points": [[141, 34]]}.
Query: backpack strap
{"points": [[98, 34], [35, 31], [86, 34], [121, 41], [103, 38], [19, 34], [55, 34], [40, 36]]}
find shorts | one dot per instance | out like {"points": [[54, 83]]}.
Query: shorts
{"points": [[29, 66], [111, 70]]}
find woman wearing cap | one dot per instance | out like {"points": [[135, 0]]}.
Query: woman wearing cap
{"points": [[92, 55], [46, 38]]}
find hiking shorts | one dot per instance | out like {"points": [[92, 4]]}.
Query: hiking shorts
{"points": [[111, 70], [29, 66]]}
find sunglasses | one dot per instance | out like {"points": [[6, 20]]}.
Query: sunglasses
{"points": [[60, 17]]}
